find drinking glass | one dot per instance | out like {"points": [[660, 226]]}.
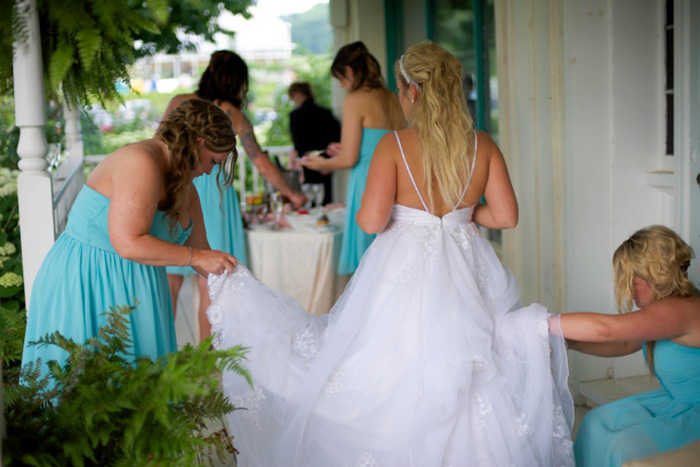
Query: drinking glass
{"points": [[319, 191], [277, 205], [307, 190]]}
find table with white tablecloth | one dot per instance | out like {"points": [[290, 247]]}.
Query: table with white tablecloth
{"points": [[301, 261]]}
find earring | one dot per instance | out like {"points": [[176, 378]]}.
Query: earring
{"points": [[413, 101]]}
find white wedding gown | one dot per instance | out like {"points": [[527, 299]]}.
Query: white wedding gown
{"points": [[427, 359]]}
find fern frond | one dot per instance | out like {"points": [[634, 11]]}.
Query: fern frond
{"points": [[89, 42], [60, 62]]}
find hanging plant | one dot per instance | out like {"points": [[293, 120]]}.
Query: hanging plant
{"points": [[88, 45]]}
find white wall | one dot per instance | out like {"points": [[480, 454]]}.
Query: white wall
{"points": [[581, 108], [614, 119]]}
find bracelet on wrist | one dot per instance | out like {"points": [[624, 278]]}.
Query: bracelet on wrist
{"points": [[189, 260]]}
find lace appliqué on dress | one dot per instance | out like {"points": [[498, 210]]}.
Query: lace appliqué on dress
{"points": [[425, 234], [305, 344], [367, 460], [560, 431], [222, 336], [251, 402], [334, 384], [479, 403], [522, 428], [465, 234], [405, 276]]}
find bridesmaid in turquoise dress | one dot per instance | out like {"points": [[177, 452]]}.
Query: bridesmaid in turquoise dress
{"points": [[137, 213], [651, 270], [370, 111], [225, 83]]}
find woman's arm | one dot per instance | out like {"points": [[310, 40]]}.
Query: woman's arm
{"points": [[380, 188], [271, 173], [604, 349], [204, 259], [136, 188], [669, 318], [350, 138], [501, 208]]}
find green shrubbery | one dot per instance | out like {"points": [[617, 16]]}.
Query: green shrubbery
{"points": [[102, 407]]}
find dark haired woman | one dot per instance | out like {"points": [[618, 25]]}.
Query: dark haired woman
{"points": [[312, 127], [225, 83], [370, 111], [137, 212]]}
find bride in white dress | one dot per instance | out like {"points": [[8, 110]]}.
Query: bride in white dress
{"points": [[428, 358]]}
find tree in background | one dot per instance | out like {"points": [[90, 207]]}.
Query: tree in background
{"points": [[311, 30], [88, 45]]}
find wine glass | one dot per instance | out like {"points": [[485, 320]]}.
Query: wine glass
{"points": [[319, 192], [277, 205], [307, 190], [260, 212]]}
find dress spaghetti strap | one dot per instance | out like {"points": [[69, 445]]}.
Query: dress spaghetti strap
{"points": [[471, 172], [464, 192], [403, 156]]}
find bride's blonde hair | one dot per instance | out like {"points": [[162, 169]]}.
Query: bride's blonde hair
{"points": [[445, 127]]}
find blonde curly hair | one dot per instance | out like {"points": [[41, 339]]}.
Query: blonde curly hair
{"points": [[658, 255], [180, 130], [445, 127]]}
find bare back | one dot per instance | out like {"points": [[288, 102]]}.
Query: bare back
{"points": [[405, 192], [379, 108]]}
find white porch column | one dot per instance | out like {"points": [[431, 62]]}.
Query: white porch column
{"points": [[34, 185]]}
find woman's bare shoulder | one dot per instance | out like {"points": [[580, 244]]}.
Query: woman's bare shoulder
{"points": [[147, 154], [486, 146], [134, 163], [177, 100]]}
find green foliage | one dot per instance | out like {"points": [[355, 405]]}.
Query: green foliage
{"points": [[88, 45], [11, 284], [103, 407], [9, 135], [311, 30], [197, 17]]}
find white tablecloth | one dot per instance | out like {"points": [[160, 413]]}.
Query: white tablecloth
{"points": [[301, 262]]}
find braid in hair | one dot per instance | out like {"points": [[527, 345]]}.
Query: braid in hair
{"points": [[181, 131]]}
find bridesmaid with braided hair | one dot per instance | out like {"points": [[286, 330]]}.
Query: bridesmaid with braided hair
{"points": [[370, 111], [137, 213], [225, 83]]}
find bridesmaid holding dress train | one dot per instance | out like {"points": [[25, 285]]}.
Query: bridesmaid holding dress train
{"points": [[137, 213]]}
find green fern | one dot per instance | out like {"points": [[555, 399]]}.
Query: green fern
{"points": [[88, 45], [103, 406]]}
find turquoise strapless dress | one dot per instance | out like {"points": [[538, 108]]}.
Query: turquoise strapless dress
{"points": [[355, 241], [82, 276], [222, 220], [650, 423]]}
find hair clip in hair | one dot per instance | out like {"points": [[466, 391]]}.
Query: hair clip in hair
{"points": [[405, 75]]}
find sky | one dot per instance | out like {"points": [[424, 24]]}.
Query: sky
{"points": [[285, 7]]}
